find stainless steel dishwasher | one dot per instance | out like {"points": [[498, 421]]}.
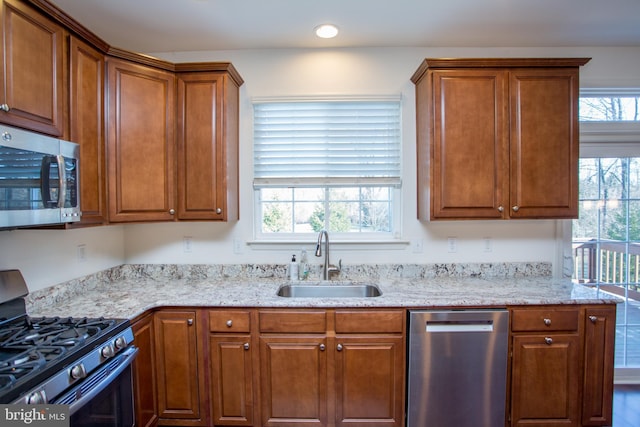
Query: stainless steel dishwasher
{"points": [[457, 370]]}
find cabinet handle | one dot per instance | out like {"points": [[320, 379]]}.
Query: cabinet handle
{"points": [[190, 322], [218, 211], [593, 319], [547, 322], [339, 347], [500, 208], [246, 346], [172, 211], [5, 107], [548, 340], [515, 208], [229, 323], [322, 347]]}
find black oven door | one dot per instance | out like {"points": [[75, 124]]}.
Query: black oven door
{"points": [[105, 398]]}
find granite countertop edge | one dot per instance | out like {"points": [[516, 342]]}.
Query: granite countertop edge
{"points": [[131, 297]]}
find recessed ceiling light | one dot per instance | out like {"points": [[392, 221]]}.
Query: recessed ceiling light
{"points": [[326, 31]]}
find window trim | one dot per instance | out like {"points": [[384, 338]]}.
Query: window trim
{"points": [[382, 240], [606, 140]]}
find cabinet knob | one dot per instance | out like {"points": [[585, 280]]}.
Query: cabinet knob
{"points": [[515, 208], [322, 347], [6, 136], [4, 107], [172, 211], [500, 208], [218, 211], [246, 346], [548, 340], [339, 347], [593, 319], [229, 323], [190, 322], [547, 322]]}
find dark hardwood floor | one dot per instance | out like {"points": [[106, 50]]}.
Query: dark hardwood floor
{"points": [[626, 405]]}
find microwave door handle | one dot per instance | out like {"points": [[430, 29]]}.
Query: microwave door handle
{"points": [[62, 181], [45, 186]]}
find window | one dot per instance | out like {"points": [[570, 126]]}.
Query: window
{"points": [[327, 164], [609, 108], [606, 237]]}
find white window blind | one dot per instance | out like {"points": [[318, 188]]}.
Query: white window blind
{"points": [[330, 143]]}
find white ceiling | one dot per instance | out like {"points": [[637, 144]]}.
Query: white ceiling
{"points": [[186, 25]]}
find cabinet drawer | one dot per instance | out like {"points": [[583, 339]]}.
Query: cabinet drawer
{"points": [[229, 321], [545, 319], [292, 321], [370, 321]]}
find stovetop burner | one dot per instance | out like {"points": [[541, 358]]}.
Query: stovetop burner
{"points": [[68, 332], [38, 351], [30, 346]]}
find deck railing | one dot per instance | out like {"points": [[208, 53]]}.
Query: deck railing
{"points": [[614, 259]]}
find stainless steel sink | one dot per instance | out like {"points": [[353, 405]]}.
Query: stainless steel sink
{"points": [[329, 291]]}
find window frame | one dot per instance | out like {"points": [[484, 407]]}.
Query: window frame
{"points": [[613, 139], [395, 187]]}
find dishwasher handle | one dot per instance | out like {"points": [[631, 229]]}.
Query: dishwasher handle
{"points": [[459, 326]]}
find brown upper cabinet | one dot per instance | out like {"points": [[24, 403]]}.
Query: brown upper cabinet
{"points": [[32, 77], [140, 142], [497, 138], [207, 146], [86, 127], [167, 163]]}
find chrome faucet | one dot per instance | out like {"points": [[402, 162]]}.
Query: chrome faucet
{"points": [[328, 268]]}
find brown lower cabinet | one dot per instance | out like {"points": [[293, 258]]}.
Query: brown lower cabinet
{"points": [[339, 366], [562, 366], [332, 367], [179, 358], [144, 368], [231, 377]]}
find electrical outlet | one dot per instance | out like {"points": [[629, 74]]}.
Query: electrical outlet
{"points": [[81, 252], [237, 246], [452, 244], [187, 244], [416, 246], [487, 244]]}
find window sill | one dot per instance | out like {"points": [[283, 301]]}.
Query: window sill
{"points": [[335, 244]]}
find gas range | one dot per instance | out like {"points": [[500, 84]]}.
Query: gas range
{"points": [[42, 358]]}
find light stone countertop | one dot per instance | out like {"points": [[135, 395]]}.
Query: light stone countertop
{"points": [[116, 295]]}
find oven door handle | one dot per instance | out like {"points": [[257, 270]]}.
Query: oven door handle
{"points": [[77, 397]]}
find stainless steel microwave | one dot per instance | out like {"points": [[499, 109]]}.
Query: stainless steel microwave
{"points": [[39, 179]]}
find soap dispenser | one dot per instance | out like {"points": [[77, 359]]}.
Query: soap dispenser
{"points": [[293, 268], [303, 269]]}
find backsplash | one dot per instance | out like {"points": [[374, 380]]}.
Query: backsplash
{"points": [[55, 294]]}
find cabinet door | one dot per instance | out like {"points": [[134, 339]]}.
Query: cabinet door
{"points": [[33, 83], [207, 147], [293, 373], [140, 143], [177, 362], [599, 354], [469, 144], [544, 143], [545, 389], [231, 380], [370, 381], [144, 373], [86, 119]]}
